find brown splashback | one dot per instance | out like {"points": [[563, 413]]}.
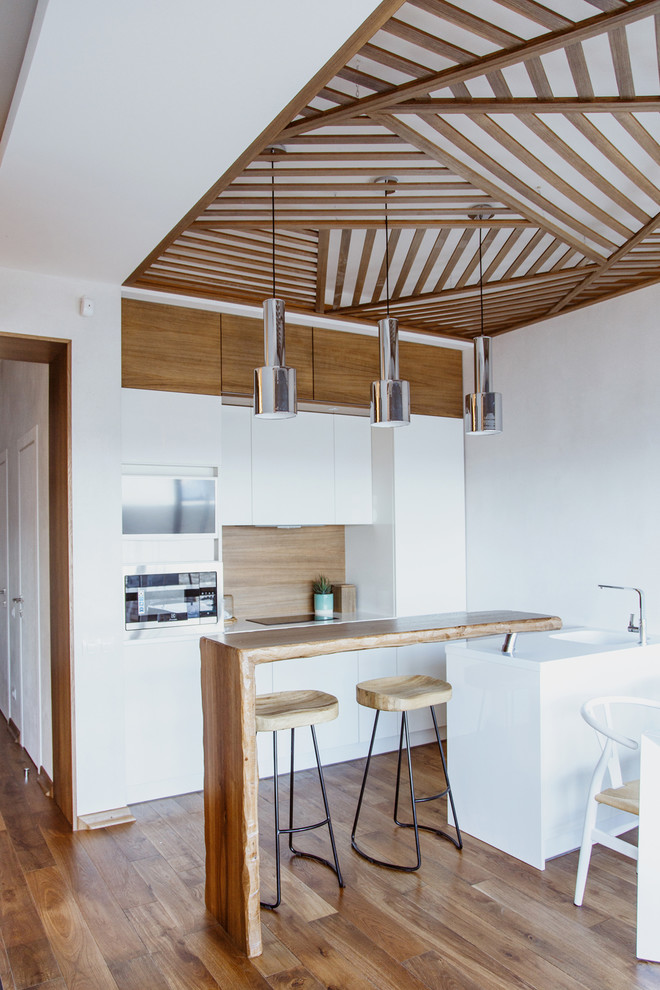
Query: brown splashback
{"points": [[269, 571]]}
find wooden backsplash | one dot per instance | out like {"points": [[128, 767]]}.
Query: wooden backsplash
{"points": [[269, 571]]}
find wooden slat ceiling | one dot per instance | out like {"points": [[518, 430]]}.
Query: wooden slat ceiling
{"points": [[544, 116]]}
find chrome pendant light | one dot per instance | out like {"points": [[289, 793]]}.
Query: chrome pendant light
{"points": [[274, 383], [483, 408], [390, 397]]}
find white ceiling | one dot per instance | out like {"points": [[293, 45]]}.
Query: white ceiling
{"points": [[129, 111]]}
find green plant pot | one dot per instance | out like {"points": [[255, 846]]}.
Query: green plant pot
{"points": [[323, 606]]}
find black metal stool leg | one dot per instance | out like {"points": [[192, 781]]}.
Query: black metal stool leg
{"points": [[361, 852], [278, 869], [308, 828], [458, 842]]}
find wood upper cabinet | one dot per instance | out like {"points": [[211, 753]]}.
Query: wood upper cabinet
{"points": [[243, 351], [345, 365], [436, 379], [170, 348]]}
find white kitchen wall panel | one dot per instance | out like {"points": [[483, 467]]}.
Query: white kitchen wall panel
{"points": [[353, 496], [236, 472]]}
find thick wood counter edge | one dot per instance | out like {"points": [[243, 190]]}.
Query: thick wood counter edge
{"points": [[293, 642], [230, 753]]}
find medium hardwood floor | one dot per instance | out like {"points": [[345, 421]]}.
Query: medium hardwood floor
{"points": [[124, 907]]}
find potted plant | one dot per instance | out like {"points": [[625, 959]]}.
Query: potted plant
{"points": [[323, 598]]}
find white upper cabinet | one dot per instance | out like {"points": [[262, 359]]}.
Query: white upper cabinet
{"points": [[236, 471], [293, 477], [353, 470], [312, 470]]}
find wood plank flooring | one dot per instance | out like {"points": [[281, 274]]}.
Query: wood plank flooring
{"points": [[123, 908]]}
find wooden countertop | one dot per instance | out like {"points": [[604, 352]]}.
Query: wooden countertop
{"points": [[290, 642]]}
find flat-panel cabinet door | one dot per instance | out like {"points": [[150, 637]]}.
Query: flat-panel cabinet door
{"points": [[236, 469], [293, 479], [353, 470]]}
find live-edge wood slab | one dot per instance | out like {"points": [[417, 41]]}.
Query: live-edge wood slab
{"points": [[230, 756]]}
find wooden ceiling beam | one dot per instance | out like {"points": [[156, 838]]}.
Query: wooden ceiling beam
{"points": [[560, 104], [593, 276], [503, 286], [339, 223], [543, 45]]}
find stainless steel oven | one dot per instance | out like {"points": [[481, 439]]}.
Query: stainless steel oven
{"points": [[157, 596]]}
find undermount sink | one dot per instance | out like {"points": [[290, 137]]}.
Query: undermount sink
{"points": [[596, 637]]}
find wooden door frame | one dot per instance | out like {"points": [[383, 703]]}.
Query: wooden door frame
{"points": [[57, 355]]}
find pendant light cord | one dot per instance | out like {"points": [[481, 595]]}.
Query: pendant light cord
{"points": [[272, 213], [387, 261], [481, 286]]}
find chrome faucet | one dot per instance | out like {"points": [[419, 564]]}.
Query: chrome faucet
{"points": [[641, 627]]}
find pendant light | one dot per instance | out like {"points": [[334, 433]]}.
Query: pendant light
{"points": [[274, 383], [483, 408], [390, 397]]}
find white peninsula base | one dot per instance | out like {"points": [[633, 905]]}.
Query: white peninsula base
{"points": [[520, 755]]}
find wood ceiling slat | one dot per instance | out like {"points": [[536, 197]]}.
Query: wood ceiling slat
{"points": [[476, 25], [433, 256], [363, 268], [409, 260], [363, 79], [322, 270], [553, 41], [489, 187], [568, 153], [605, 146], [553, 211], [426, 41], [650, 228], [382, 274], [621, 60], [519, 261], [456, 256], [393, 61], [639, 133], [518, 105], [568, 191], [538, 78], [301, 223], [344, 246], [505, 250], [537, 12], [577, 63], [473, 264]]}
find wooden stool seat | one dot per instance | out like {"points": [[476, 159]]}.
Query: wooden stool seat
{"points": [[294, 709], [403, 693]]}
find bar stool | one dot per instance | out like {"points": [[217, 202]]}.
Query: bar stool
{"points": [[403, 694], [293, 710]]}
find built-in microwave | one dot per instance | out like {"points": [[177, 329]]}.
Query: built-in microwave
{"points": [[158, 596]]}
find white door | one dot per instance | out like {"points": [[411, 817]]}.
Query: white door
{"points": [[4, 574], [26, 602]]}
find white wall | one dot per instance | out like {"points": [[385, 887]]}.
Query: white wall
{"points": [[33, 304], [24, 405], [567, 496]]}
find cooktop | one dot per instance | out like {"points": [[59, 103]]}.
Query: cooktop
{"points": [[287, 620]]}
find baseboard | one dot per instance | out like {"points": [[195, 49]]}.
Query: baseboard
{"points": [[102, 819], [45, 783], [14, 731]]}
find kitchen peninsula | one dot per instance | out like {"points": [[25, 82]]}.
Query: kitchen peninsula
{"points": [[230, 754]]}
